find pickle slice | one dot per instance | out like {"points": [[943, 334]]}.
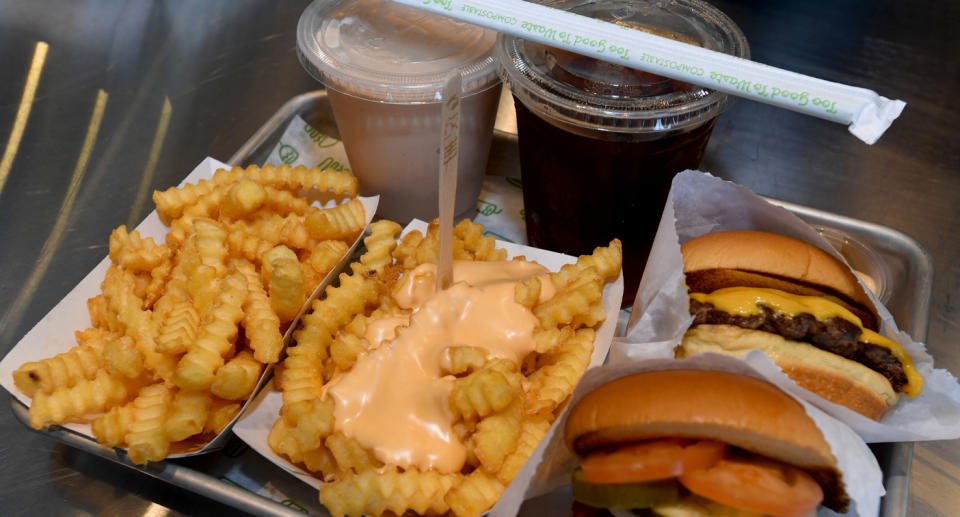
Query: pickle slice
{"points": [[696, 506], [624, 495]]}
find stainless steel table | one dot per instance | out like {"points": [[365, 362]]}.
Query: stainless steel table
{"points": [[128, 96]]}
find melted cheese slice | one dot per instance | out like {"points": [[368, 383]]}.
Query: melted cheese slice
{"points": [[746, 301]]}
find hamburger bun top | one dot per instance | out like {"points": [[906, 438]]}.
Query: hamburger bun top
{"points": [[742, 411], [759, 259]]}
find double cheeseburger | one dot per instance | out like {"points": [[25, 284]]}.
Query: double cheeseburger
{"points": [[695, 443], [761, 291]]}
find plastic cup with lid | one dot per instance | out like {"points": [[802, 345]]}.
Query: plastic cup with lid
{"points": [[384, 65], [600, 143]]}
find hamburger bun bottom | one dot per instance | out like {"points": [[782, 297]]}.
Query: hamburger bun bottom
{"points": [[829, 375]]}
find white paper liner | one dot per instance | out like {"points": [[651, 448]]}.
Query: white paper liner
{"points": [[254, 426], [867, 113], [552, 463], [54, 333], [699, 203]]}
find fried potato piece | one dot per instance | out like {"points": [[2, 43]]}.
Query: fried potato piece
{"points": [[377, 493], [179, 329], [146, 439], [465, 359], [222, 412], [260, 323], [571, 300], [496, 436], [134, 252], [380, 243], [310, 421], [321, 260], [343, 222], [532, 431], [607, 261], [236, 379], [481, 393], [243, 198], [197, 367], [172, 203], [476, 244], [301, 178], [118, 290], [527, 292], [111, 428], [121, 357], [475, 495], [64, 370], [69, 403], [550, 385], [346, 348], [319, 460], [188, 414], [284, 277], [351, 455]]}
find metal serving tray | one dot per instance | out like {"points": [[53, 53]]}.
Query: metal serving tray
{"points": [[239, 477]]}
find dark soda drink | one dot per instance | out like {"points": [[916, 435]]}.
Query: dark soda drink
{"points": [[582, 191], [600, 143]]}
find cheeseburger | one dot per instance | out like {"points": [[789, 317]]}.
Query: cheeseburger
{"points": [[803, 308], [699, 442]]}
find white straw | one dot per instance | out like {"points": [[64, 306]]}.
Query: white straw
{"points": [[867, 113]]}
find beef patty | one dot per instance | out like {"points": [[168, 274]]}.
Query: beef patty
{"points": [[835, 335]]}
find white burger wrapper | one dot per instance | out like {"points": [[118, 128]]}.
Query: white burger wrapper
{"points": [[699, 203], [54, 334], [552, 463], [255, 424]]}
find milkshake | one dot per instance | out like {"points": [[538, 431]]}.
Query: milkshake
{"points": [[384, 65]]}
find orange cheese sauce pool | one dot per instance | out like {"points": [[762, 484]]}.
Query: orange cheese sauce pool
{"points": [[394, 400]]}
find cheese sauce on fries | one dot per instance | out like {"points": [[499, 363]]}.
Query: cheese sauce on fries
{"points": [[395, 399]]}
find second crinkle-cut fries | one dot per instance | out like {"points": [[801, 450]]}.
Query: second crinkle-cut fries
{"points": [[501, 408], [182, 331]]}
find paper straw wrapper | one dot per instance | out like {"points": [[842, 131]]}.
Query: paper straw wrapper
{"points": [[866, 113]]}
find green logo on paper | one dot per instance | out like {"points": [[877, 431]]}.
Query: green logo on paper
{"points": [[319, 138], [288, 153], [497, 236], [330, 163], [293, 504], [487, 209], [515, 182], [522, 214]]}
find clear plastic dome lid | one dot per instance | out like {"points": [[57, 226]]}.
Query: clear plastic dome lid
{"points": [[389, 52], [594, 94]]}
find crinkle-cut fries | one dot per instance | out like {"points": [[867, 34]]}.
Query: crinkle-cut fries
{"points": [[183, 329]]}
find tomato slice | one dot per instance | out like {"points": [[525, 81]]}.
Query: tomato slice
{"points": [[650, 460], [756, 484]]}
